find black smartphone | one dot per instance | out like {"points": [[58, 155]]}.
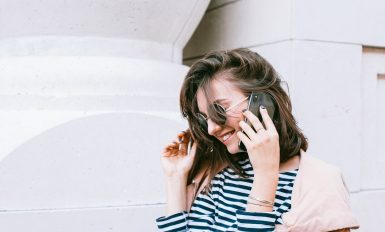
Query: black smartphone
{"points": [[255, 101]]}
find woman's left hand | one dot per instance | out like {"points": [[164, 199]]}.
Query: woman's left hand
{"points": [[262, 144]]}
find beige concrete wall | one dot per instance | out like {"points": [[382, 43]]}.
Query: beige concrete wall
{"points": [[335, 84]]}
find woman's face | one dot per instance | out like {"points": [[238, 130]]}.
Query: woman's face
{"points": [[226, 94]]}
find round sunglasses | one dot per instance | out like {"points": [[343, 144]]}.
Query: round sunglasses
{"points": [[220, 113]]}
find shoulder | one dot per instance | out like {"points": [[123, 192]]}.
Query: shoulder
{"points": [[319, 171], [319, 180], [319, 193]]}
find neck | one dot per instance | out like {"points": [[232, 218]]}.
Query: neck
{"points": [[290, 165]]}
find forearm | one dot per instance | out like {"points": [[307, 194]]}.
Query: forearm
{"points": [[176, 194], [264, 187], [259, 217]]}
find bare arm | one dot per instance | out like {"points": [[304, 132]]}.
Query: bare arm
{"points": [[176, 165], [176, 194]]}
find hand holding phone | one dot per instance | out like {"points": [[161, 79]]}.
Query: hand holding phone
{"points": [[255, 101]]}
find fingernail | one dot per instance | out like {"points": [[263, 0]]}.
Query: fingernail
{"points": [[263, 107]]}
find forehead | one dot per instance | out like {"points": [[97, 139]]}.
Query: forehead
{"points": [[218, 88]]}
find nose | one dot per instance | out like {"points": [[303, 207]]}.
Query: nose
{"points": [[212, 127]]}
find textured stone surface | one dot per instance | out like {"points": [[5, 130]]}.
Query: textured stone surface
{"points": [[373, 114], [101, 160], [98, 27], [244, 23], [368, 206]]}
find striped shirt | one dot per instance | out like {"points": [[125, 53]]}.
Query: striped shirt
{"points": [[223, 208]]}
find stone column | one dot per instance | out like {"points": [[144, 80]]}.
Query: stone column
{"points": [[88, 98]]}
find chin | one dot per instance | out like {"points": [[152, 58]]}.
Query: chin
{"points": [[233, 148]]}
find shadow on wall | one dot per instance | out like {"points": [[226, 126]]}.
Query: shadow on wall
{"points": [[103, 161]]}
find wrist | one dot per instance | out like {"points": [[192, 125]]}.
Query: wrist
{"points": [[265, 185], [268, 167], [255, 207], [176, 178], [266, 175]]}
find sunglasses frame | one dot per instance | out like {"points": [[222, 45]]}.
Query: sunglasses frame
{"points": [[202, 120]]}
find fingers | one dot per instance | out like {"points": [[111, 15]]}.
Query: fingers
{"points": [[170, 150], [244, 138], [184, 143], [247, 129], [257, 124], [179, 146], [260, 135], [254, 121], [266, 119]]}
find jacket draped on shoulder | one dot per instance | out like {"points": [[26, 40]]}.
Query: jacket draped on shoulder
{"points": [[320, 199]]}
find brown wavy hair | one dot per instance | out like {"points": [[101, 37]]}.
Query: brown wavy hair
{"points": [[249, 72]]}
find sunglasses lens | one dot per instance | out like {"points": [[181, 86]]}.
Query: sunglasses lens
{"points": [[218, 113]]}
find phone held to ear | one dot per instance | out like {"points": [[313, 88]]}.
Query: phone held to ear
{"points": [[255, 101]]}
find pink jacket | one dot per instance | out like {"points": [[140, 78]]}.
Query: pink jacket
{"points": [[320, 200]]}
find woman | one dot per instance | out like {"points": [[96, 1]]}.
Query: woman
{"points": [[246, 176]]}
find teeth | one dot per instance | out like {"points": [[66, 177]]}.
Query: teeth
{"points": [[226, 136]]}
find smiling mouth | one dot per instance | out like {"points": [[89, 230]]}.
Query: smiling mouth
{"points": [[227, 136]]}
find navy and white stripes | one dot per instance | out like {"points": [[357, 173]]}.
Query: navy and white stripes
{"points": [[223, 208]]}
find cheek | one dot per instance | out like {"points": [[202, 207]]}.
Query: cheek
{"points": [[234, 120]]}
